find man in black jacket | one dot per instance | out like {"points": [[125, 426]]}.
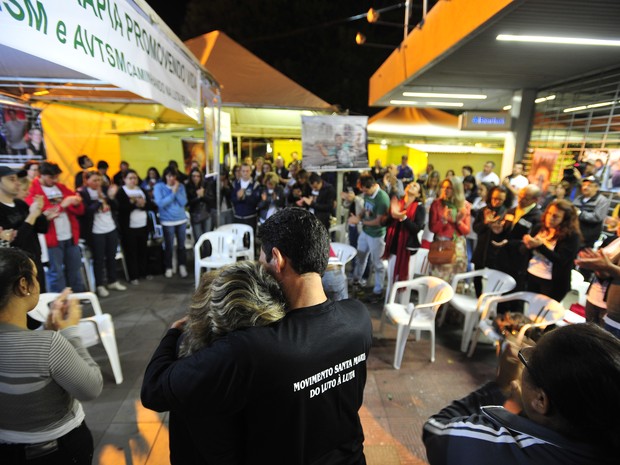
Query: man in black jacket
{"points": [[322, 202], [517, 222], [19, 222], [293, 388]]}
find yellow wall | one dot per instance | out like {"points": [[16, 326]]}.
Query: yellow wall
{"points": [[70, 132], [155, 149], [394, 153], [445, 161], [285, 147], [442, 161]]}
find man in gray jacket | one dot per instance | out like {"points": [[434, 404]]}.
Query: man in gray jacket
{"points": [[593, 209]]}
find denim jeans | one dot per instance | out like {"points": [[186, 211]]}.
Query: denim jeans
{"points": [[198, 229], [353, 237], [169, 233], [373, 246], [65, 265], [612, 330], [335, 285]]}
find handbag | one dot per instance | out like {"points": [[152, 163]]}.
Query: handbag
{"points": [[442, 252]]}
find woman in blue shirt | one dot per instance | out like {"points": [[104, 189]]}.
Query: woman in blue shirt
{"points": [[171, 199]]}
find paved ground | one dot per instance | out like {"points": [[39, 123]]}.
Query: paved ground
{"points": [[397, 402]]}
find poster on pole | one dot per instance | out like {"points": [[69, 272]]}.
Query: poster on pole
{"points": [[543, 162], [334, 143], [21, 135], [194, 153]]}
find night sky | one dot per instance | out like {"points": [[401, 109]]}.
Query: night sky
{"points": [[312, 42]]}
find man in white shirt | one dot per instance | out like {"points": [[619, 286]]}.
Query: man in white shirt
{"points": [[516, 181], [487, 174]]}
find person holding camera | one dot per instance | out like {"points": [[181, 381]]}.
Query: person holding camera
{"points": [[44, 373], [554, 403]]}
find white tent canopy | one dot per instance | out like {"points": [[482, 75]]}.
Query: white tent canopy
{"points": [[118, 53]]}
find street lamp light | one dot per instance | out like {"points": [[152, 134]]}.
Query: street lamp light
{"points": [[360, 39]]}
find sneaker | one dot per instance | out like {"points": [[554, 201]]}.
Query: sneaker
{"points": [[374, 298], [102, 291], [116, 286], [358, 293], [149, 277], [168, 273], [182, 271], [135, 282], [363, 282]]}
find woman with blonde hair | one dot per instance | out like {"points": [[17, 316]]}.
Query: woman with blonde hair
{"points": [[235, 297], [450, 220], [554, 248]]}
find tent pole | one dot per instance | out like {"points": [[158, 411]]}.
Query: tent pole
{"points": [[216, 157]]}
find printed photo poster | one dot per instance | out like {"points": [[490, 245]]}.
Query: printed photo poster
{"points": [[21, 136], [543, 163], [331, 143], [194, 151], [610, 158]]}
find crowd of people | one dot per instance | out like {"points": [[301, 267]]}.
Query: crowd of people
{"points": [[508, 224], [297, 347]]}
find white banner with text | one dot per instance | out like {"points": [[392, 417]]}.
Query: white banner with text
{"points": [[107, 40]]}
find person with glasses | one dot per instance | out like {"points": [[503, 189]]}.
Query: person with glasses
{"points": [[555, 403]]}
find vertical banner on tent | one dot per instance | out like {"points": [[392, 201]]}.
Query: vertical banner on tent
{"points": [[333, 143], [109, 40], [21, 136], [543, 162]]}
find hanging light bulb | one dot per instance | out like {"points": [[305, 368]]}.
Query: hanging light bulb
{"points": [[373, 16]]}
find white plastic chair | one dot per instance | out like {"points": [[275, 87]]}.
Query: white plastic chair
{"points": [[121, 256], [158, 231], [222, 252], [432, 293], [580, 286], [340, 232], [420, 264], [541, 310], [239, 231], [45, 256], [344, 252], [493, 283], [93, 330], [88, 268], [416, 263], [189, 233]]}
